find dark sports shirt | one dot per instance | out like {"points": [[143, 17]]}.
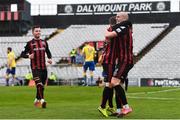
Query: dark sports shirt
{"points": [[124, 46], [109, 54], [124, 41], [38, 48]]}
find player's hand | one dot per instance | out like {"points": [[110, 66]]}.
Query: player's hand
{"points": [[110, 34], [31, 56], [106, 34], [110, 85], [49, 61], [100, 59], [115, 81]]}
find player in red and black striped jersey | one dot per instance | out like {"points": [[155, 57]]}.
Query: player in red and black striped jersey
{"points": [[108, 64], [118, 48], [108, 67], [122, 33], [35, 50], [124, 52]]}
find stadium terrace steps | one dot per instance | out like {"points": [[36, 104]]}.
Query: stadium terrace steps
{"points": [[162, 61], [75, 35]]}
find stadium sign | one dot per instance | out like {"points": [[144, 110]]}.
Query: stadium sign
{"points": [[163, 82], [113, 8]]}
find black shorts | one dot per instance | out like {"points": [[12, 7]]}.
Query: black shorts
{"points": [[108, 70], [42, 74], [128, 68], [126, 71]]}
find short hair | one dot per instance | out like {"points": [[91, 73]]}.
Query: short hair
{"points": [[124, 14], [112, 20], [9, 48], [35, 26]]}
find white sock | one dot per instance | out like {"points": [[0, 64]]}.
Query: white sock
{"points": [[126, 106], [42, 100], [35, 100], [118, 110]]}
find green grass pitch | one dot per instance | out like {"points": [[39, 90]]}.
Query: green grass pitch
{"points": [[66, 102]]}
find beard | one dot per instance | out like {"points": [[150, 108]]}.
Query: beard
{"points": [[37, 37]]}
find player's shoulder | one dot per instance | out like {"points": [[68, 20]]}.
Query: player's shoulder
{"points": [[11, 54], [123, 24], [30, 41], [43, 40]]}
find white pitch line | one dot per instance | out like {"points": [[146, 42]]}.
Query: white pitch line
{"points": [[139, 93], [153, 98]]}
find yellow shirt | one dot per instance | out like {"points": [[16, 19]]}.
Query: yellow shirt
{"points": [[89, 53], [11, 59]]}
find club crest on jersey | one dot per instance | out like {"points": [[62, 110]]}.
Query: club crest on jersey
{"points": [[118, 30]]}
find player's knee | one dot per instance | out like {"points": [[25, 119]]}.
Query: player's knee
{"points": [[7, 76], [91, 73], [84, 73], [40, 84], [115, 82], [37, 80]]}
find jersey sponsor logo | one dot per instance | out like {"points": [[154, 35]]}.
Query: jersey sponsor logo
{"points": [[36, 49]]}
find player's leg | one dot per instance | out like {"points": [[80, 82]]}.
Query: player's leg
{"points": [[39, 87], [102, 107], [43, 79], [118, 106], [116, 81], [71, 59], [121, 94], [111, 90], [7, 77], [38, 92], [108, 91], [85, 67], [74, 59], [13, 72], [125, 76], [91, 68]]}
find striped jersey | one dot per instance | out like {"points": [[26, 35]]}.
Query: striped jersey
{"points": [[124, 47], [109, 54], [38, 48]]}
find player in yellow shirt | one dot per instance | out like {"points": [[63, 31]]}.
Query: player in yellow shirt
{"points": [[11, 66], [89, 54]]}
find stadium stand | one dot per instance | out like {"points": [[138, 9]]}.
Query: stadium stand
{"points": [[75, 35], [72, 37], [150, 32], [162, 61]]}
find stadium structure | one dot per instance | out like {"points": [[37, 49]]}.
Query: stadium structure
{"points": [[67, 26]]}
